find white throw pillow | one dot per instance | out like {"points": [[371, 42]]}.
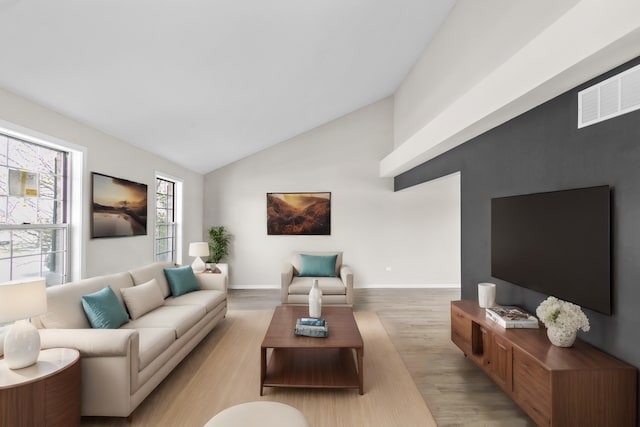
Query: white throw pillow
{"points": [[141, 299]]}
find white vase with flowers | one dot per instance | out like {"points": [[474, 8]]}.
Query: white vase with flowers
{"points": [[563, 320]]}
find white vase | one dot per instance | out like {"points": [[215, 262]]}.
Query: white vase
{"points": [[486, 295], [561, 337], [315, 300], [21, 345]]}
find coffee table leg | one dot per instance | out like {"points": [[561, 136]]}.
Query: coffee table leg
{"points": [[360, 353], [263, 368]]}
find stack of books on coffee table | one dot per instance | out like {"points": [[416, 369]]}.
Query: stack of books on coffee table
{"points": [[310, 327]]}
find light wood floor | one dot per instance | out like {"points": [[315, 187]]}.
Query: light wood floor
{"points": [[417, 320]]}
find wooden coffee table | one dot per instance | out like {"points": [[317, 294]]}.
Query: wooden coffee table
{"points": [[307, 362]]}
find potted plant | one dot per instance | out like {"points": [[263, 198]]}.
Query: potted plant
{"points": [[219, 240]]}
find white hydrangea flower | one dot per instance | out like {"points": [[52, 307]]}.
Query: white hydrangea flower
{"points": [[562, 314]]}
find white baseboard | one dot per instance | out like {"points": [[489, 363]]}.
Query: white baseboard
{"points": [[368, 286], [411, 286], [254, 286]]}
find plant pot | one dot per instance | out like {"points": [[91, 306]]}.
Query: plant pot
{"points": [[561, 337]]}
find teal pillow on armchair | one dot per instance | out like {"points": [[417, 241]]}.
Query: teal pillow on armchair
{"points": [[317, 265]]}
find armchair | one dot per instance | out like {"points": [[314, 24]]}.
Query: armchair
{"points": [[335, 290]]}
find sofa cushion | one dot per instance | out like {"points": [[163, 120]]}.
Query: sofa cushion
{"points": [[182, 280], [64, 306], [180, 318], [329, 285], [153, 341], [317, 265], [209, 299], [142, 299], [153, 271], [104, 310]]}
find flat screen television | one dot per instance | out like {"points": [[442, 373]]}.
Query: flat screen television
{"points": [[556, 243]]}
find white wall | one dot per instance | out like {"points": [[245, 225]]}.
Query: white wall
{"points": [[461, 87], [471, 43], [110, 156], [416, 232]]}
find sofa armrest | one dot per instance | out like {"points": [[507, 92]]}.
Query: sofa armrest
{"points": [[110, 363], [213, 281], [93, 342], [286, 276], [347, 278]]}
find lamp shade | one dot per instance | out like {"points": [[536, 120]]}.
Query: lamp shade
{"points": [[22, 299], [199, 249]]}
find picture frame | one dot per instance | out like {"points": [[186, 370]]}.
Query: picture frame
{"points": [[118, 207], [297, 214]]}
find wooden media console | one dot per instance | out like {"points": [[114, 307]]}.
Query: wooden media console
{"points": [[576, 386]]}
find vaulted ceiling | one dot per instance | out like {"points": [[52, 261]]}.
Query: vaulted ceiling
{"points": [[205, 83]]}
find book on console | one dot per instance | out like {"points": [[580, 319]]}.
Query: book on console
{"points": [[509, 316]]}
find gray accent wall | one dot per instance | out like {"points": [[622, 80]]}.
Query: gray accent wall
{"points": [[542, 150]]}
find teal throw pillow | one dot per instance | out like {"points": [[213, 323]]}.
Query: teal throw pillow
{"points": [[181, 280], [317, 265], [104, 310]]}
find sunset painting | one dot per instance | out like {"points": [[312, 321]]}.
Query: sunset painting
{"points": [[299, 213], [119, 207]]}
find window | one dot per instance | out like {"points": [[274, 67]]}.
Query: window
{"points": [[166, 220], [34, 218]]}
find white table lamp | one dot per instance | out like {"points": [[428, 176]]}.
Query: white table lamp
{"points": [[198, 250], [19, 301]]}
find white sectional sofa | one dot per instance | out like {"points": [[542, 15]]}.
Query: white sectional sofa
{"points": [[120, 367]]}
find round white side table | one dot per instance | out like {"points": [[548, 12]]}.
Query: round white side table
{"points": [[46, 393]]}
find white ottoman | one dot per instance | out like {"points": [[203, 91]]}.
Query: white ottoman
{"points": [[259, 414]]}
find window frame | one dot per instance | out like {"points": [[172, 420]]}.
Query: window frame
{"points": [[175, 225], [63, 274], [40, 228]]}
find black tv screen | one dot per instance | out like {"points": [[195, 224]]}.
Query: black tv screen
{"points": [[555, 243]]}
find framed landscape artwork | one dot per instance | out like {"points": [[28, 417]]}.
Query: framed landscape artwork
{"points": [[118, 208], [299, 214]]}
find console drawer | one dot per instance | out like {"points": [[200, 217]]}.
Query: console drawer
{"points": [[461, 330], [538, 410], [532, 387]]}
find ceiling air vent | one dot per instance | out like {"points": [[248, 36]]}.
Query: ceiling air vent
{"points": [[613, 97]]}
